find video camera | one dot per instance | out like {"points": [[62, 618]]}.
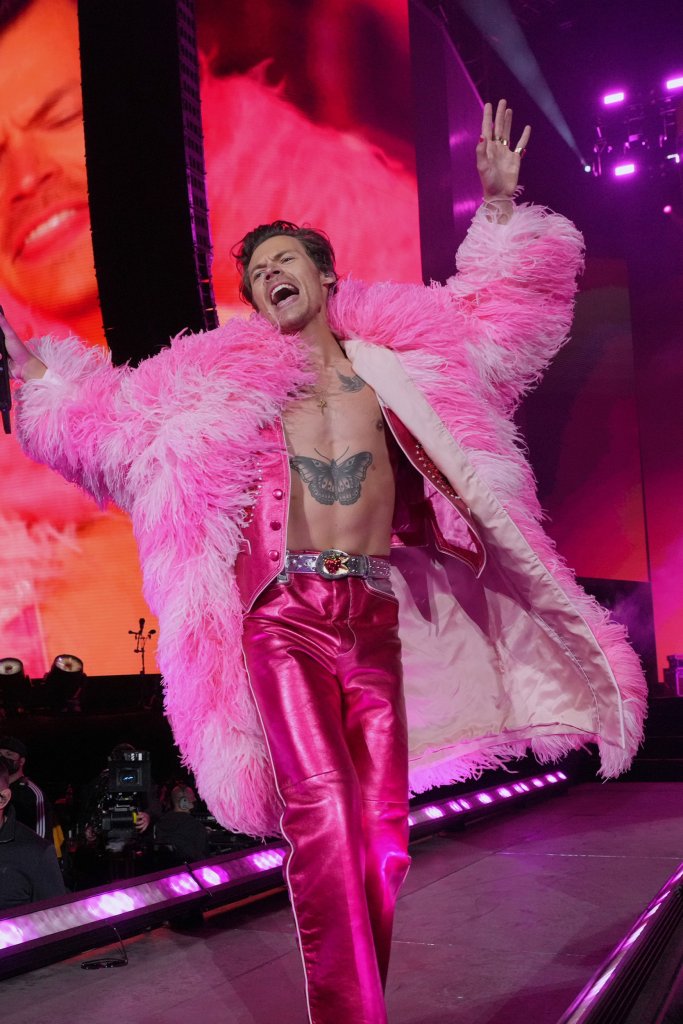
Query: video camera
{"points": [[129, 780], [130, 771]]}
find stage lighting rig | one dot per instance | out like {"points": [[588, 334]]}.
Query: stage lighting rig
{"points": [[640, 133], [15, 687], [61, 688]]}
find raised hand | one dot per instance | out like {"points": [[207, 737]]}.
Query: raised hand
{"points": [[497, 160]]}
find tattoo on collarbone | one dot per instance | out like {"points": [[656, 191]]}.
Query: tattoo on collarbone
{"points": [[331, 480], [354, 383]]}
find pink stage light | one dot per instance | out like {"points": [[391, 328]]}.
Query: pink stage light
{"points": [[667, 209], [600, 983], [434, 812], [484, 798], [181, 885], [267, 860], [674, 83], [635, 935], [613, 97], [620, 962], [505, 793], [212, 876], [621, 170], [112, 904], [10, 935]]}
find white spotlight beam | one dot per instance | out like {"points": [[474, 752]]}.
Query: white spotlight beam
{"points": [[500, 28]]}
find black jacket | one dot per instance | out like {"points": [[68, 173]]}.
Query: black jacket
{"points": [[31, 807], [29, 870]]}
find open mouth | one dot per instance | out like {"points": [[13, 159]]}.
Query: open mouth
{"points": [[282, 292], [51, 224], [55, 232]]}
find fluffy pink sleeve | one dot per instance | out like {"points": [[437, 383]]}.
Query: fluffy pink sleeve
{"points": [[150, 437], [515, 283], [71, 419]]}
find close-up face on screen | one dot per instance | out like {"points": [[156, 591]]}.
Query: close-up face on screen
{"points": [[298, 125], [45, 247]]}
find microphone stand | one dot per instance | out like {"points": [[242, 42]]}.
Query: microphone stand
{"points": [[5, 391], [141, 639]]}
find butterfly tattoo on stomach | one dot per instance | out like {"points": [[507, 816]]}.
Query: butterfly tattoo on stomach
{"points": [[330, 480]]}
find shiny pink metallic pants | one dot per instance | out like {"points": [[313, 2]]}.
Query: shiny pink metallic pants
{"points": [[324, 662]]}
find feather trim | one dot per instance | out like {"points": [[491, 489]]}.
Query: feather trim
{"points": [[174, 441], [155, 440]]}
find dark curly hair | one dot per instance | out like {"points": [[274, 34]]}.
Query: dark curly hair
{"points": [[316, 244]]}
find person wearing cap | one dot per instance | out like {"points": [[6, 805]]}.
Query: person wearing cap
{"points": [[31, 806], [29, 870]]}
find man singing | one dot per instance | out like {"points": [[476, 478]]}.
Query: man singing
{"points": [[299, 483]]}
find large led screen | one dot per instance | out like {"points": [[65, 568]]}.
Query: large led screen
{"points": [[307, 117]]}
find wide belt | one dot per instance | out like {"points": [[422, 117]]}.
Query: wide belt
{"points": [[334, 564]]}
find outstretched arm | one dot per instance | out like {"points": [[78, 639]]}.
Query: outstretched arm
{"points": [[66, 410], [517, 271], [162, 428]]}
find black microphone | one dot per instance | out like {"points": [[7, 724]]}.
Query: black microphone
{"points": [[5, 390], [142, 625]]}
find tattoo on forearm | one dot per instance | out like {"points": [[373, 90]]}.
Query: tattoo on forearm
{"points": [[354, 383], [331, 480]]}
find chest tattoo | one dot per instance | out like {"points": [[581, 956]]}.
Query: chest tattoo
{"points": [[330, 480], [354, 383]]}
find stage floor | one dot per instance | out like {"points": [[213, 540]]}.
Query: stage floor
{"points": [[502, 923]]}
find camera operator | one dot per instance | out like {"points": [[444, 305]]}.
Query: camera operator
{"points": [[28, 864], [119, 806]]}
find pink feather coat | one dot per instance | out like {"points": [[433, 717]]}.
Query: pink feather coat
{"points": [[519, 657]]}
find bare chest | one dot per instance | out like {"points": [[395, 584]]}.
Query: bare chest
{"points": [[336, 441], [332, 421]]}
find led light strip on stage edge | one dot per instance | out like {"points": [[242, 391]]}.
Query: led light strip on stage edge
{"points": [[617, 983], [55, 929], [479, 801], [51, 930]]}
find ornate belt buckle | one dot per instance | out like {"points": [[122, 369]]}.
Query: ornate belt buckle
{"points": [[332, 564]]}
